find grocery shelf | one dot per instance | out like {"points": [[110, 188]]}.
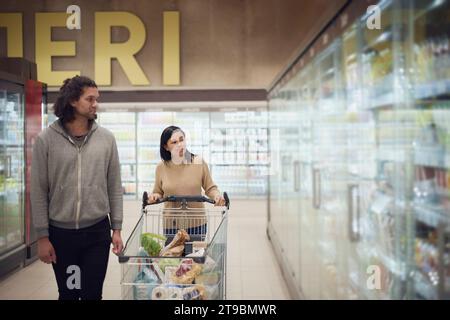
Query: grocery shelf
{"points": [[386, 100], [10, 143], [127, 162], [432, 89], [396, 267], [432, 157], [423, 287], [431, 215], [148, 162], [391, 154]]}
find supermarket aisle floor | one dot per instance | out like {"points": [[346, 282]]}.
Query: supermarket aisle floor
{"points": [[253, 272]]}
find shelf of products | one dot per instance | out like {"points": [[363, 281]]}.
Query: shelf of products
{"points": [[123, 126], [375, 122], [12, 167], [225, 140]]}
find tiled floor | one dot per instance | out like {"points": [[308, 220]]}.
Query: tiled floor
{"points": [[253, 272]]}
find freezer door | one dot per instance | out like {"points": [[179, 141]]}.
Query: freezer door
{"points": [[11, 166], [427, 118]]}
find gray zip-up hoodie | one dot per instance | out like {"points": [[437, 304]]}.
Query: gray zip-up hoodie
{"points": [[74, 187]]}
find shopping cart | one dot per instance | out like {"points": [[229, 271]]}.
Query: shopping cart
{"points": [[200, 271]]}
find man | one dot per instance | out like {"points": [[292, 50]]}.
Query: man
{"points": [[75, 185]]}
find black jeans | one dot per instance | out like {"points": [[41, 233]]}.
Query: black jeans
{"points": [[81, 260]]}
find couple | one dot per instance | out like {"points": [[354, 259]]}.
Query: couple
{"points": [[76, 189]]}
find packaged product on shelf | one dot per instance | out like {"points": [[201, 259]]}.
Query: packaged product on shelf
{"points": [[241, 157], [427, 260], [229, 158], [429, 146]]}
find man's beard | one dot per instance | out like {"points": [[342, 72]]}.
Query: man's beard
{"points": [[89, 116]]}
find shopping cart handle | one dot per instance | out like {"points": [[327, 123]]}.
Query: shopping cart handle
{"points": [[184, 199], [146, 203], [227, 200], [189, 199]]}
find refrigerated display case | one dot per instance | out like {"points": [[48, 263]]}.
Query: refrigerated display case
{"points": [[284, 215], [22, 102], [428, 116], [309, 281], [123, 126], [12, 166], [150, 125], [239, 152], [373, 107], [233, 143], [383, 224]]}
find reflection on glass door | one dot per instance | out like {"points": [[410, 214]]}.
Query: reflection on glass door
{"points": [[11, 166], [384, 244], [428, 116], [330, 168]]}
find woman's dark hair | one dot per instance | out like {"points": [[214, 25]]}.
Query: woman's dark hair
{"points": [[165, 136], [70, 91]]}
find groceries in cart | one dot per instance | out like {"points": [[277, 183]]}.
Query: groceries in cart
{"points": [[176, 247], [195, 292], [186, 272], [187, 263], [163, 274], [186, 281], [152, 243]]}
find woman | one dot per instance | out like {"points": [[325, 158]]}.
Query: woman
{"points": [[182, 173]]}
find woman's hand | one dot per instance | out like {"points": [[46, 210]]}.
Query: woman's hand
{"points": [[154, 197], [220, 201]]}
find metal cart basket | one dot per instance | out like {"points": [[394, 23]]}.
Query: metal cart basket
{"points": [[198, 272]]}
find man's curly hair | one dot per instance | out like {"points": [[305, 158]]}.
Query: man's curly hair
{"points": [[70, 91]]}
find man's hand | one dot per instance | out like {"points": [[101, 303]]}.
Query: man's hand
{"points": [[117, 242], [46, 252]]}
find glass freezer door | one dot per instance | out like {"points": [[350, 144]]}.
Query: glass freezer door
{"points": [[290, 172], [11, 166], [428, 116], [383, 244], [310, 280]]}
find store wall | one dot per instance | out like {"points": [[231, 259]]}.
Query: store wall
{"points": [[233, 43]]}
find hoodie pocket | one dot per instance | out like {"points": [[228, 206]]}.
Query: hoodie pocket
{"points": [[95, 204], [62, 204]]}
